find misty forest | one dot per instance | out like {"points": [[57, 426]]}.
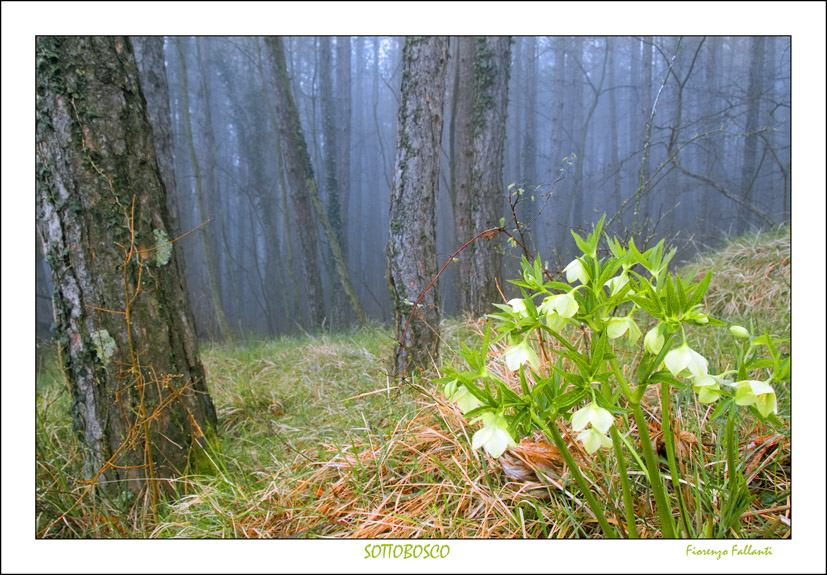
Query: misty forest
{"points": [[265, 266]]}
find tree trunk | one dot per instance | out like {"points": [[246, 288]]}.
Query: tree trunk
{"points": [[343, 111], [529, 171], [411, 248], [123, 325], [331, 187], [209, 261], [306, 195], [299, 172], [463, 163], [491, 63], [288, 237]]}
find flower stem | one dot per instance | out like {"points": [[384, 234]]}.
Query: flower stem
{"points": [[669, 442], [655, 479], [628, 502], [553, 434]]}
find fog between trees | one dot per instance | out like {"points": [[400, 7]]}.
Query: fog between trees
{"points": [[579, 124]]}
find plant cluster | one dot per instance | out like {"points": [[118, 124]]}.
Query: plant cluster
{"points": [[579, 354]]}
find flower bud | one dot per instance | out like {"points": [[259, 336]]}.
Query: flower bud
{"points": [[739, 331], [653, 341]]}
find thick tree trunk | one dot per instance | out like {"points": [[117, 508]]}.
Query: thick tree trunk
{"points": [[123, 325], [411, 249], [491, 63]]}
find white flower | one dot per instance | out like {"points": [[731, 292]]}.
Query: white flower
{"points": [[653, 341], [576, 271], [708, 389], [685, 357], [616, 283], [562, 304], [518, 307], [494, 436], [520, 354], [556, 322], [593, 440], [761, 394], [460, 395], [617, 326], [601, 421], [600, 418]]}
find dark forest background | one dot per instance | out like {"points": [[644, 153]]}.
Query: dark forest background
{"points": [[579, 125]]}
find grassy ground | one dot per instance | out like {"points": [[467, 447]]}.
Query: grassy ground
{"points": [[316, 441]]}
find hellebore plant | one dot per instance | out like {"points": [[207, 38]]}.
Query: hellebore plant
{"points": [[582, 379]]}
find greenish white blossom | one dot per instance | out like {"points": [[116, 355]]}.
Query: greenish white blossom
{"points": [[494, 437], [685, 357]]}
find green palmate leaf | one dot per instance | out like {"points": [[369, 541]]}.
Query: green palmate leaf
{"points": [[665, 377], [699, 290], [682, 299], [570, 378], [647, 305], [581, 243], [672, 307], [581, 361], [721, 408], [565, 401], [506, 395], [476, 412], [782, 372], [484, 396], [523, 382], [598, 351], [759, 363], [557, 286]]}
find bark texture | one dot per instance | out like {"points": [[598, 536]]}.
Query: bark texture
{"points": [[411, 249], [123, 324], [491, 61], [306, 195], [299, 174]]}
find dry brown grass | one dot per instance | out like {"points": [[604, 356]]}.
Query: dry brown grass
{"points": [[751, 279], [422, 480]]}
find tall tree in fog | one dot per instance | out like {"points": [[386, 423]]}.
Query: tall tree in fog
{"points": [[305, 194], [343, 132], [285, 212], [331, 171], [529, 151], [490, 99], [201, 199], [756, 79], [462, 159], [411, 248], [124, 328], [299, 174]]}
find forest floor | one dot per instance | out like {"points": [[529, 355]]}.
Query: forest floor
{"points": [[317, 441]]}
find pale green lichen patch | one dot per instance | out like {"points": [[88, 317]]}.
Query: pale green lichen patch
{"points": [[104, 345], [163, 248]]}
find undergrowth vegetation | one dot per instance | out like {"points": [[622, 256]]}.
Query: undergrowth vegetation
{"points": [[316, 441]]}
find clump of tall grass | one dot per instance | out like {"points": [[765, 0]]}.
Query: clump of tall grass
{"points": [[751, 279]]}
